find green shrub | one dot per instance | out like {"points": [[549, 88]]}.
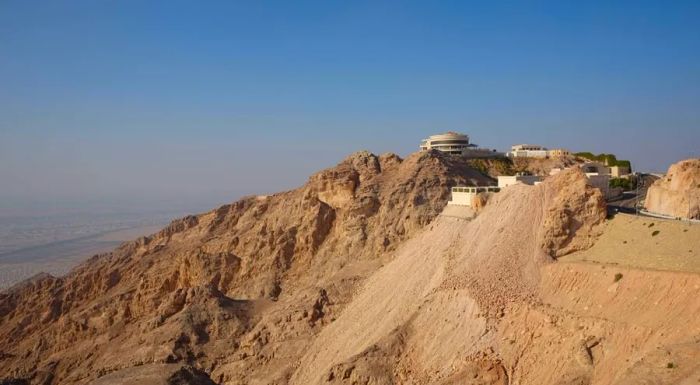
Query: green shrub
{"points": [[618, 276], [624, 183], [670, 365], [493, 167], [655, 233], [480, 165], [585, 154], [607, 159]]}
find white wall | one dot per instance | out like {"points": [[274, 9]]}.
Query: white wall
{"points": [[461, 198], [507, 180]]}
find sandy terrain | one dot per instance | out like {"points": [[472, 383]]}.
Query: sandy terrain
{"points": [[629, 240], [459, 212], [428, 316]]}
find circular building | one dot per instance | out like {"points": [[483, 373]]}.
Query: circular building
{"points": [[449, 142]]}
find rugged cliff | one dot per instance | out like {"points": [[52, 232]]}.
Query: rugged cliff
{"points": [[243, 286], [435, 314], [678, 193], [355, 278]]}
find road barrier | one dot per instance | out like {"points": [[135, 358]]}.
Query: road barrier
{"points": [[668, 217]]}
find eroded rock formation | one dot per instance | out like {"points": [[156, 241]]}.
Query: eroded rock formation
{"points": [[354, 278], [678, 193], [237, 291]]}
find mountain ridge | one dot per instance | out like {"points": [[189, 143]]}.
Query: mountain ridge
{"points": [[226, 263], [358, 277]]}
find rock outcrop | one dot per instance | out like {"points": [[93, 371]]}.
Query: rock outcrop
{"points": [[433, 315], [572, 218], [240, 288], [356, 278], [678, 193]]}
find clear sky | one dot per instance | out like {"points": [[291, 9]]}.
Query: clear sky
{"points": [[165, 101]]}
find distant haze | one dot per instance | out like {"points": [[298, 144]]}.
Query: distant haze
{"points": [[152, 104]]}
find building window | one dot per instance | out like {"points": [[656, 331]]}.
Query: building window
{"points": [[436, 142]]}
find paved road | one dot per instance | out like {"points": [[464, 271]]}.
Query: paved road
{"points": [[629, 199]]}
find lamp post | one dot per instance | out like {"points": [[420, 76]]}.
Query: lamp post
{"points": [[636, 206]]}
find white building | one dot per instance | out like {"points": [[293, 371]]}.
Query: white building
{"points": [[595, 168], [535, 151], [602, 182], [599, 176], [619, 171], [509, 180], [463, 196], [457, 144], [449, 142], [528, 151]]}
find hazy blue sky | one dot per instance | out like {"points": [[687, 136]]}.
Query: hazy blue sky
{"points": [[202, 101]]}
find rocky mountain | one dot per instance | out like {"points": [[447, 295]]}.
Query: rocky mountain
{"points": [[494, 301], [357, 278], [678, 193], [439, 312], [242, 287]]}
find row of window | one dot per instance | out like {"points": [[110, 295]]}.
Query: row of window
{"points": [[476, 189], [453, 141]]}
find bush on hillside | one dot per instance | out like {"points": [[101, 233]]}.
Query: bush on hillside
{"points": [[624, 183], [607, 159], [493, 167]]}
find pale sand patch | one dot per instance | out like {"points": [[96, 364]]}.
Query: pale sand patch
{"points": [[432, 299], [628, 240], [460, 212]]}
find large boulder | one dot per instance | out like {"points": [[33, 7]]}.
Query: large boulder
{"points": [[677, 194]]}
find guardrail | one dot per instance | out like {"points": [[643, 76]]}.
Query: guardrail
{"points": [[668, 217]]}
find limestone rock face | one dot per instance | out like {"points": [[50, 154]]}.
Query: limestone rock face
{"points": [[237, 291], [678, 193], [571, 222], [480, 200], [354, 278], [432, 315]]}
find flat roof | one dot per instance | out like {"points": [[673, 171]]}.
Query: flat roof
{"points": [[527, 145]]}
